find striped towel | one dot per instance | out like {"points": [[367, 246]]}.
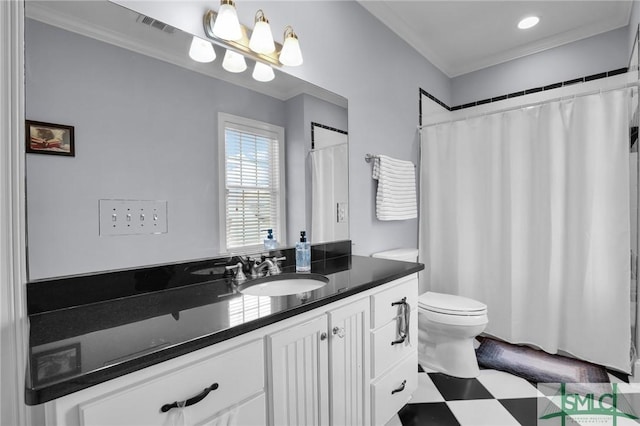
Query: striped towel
{"points": [[396, 197]]}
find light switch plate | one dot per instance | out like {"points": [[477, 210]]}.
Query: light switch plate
{"points": [[132, 217], [342, 212]]}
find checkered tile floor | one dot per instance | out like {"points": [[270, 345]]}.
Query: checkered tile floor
{"points": [[495, 398]]}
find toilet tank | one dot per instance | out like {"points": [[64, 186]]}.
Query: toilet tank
{"points": [[402, 254]]}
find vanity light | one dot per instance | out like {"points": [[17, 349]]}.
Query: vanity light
{"points": [[258, 45], [201, 50], [261, 37], [528, 22], [233, 62], [290, 55], [227, 26], [262, 72]]}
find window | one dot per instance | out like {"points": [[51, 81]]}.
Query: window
{"points": [[252, 181]]}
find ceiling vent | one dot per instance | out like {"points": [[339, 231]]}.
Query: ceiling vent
{"points": [[155, 24]]}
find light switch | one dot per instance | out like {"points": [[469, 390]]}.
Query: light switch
{"points": [[129, 217]]}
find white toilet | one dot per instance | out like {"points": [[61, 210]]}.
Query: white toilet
{"points": [[447, 326]]}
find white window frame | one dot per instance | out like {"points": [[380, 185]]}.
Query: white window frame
{"points": [[257, 127]]}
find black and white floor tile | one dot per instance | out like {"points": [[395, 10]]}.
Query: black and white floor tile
{"points": [[495, 398]]}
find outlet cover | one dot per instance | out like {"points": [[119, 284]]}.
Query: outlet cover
{"points": [[132, 217]]}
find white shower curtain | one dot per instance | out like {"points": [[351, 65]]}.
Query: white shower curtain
{"points": [[528, 211], [329, 187]]}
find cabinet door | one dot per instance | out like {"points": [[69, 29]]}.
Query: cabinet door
{"points": [[349, 364], [299, 376]]}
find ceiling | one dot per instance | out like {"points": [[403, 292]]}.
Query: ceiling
{"points": [[459, 36]]}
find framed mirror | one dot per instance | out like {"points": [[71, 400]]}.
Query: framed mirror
{"points": [[145, 120]]}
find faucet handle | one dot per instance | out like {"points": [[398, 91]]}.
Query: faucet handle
{"points": [[275, 269], [239, 275]]}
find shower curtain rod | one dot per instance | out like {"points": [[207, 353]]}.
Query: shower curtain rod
{"points": [[532, 104]]}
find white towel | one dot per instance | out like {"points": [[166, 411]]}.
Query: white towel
{"points": [[396, 196], [229, 417]]}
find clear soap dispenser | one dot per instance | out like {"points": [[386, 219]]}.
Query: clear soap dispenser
{"points": [[270, 243], [303, 254]]}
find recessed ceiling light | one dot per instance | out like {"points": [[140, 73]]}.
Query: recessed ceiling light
{"points": [[528, 22]]}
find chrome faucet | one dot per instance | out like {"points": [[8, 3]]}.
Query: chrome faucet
{"points": [[239, 276], [270, 264]]}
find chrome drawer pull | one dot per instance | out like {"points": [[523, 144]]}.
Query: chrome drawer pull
{"points": [[401, 388], [190, 401]]}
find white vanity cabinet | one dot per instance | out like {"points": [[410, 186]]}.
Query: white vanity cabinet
{"points": [[333, 365], [319, 369], [394, 357], [236, 374]]}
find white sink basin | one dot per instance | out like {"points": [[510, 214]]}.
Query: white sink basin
{"points": [[283, 284]]}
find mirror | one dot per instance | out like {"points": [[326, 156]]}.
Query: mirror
{"points": [[145, 129]]}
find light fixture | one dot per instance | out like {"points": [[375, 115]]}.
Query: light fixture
{"points": [[201, 50], [261, 37], [290, 55], [223, 29], [233, 62], [262, 72], [227, 26], [528, 22]]}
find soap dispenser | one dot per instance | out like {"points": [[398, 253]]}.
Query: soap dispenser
{"points": [[270, 243], [303, 254]]}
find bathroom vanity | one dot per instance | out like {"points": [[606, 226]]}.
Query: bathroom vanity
{"points": [[336, 355]]}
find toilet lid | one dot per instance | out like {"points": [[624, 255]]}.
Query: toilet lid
{"points": [[451, 304]]}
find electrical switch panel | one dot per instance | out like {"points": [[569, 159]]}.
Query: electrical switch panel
{"points": [[132, 217], [341, 212]]}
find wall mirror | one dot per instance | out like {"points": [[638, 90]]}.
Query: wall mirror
{"points": [[144, 119]]}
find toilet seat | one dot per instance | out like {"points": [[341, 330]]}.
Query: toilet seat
{"points": [[450, 304]]}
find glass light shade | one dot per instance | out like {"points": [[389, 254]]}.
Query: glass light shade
{"points": [[263, 72], [227, 26], [233, 62], [201, 50], [261, 38], [291, 55]]}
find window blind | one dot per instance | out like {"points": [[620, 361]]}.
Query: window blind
{"points": [[253, 189]]}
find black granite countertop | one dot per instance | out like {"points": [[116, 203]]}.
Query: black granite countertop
{"points": [[74, 347]]}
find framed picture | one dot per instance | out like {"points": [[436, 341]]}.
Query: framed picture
{"points": [[55, 364], [49, 138]]}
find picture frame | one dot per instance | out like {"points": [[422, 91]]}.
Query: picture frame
{"points": [[55, 364], [49, 138]]}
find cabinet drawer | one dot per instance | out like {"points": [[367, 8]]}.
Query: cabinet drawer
{"points": [[384, 354], [381, 303], [239, 374], [389, 394]]}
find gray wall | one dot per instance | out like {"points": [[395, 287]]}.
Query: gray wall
{"points": [[593, 55], [136, 138]]}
